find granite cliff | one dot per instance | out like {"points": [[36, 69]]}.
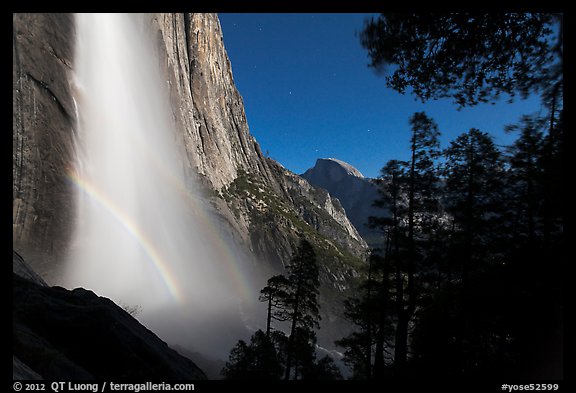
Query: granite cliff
{"points": [[263, 206], [218, 142], [209, 118], [266, 206], [355, 192], [42, 138]]}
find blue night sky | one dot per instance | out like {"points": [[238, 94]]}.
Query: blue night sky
{"points": [[309, 94]]}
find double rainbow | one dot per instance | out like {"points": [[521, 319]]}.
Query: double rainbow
{"points": [[221, 250]]}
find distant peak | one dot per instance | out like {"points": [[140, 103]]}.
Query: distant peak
{"points": [[349, 169]]}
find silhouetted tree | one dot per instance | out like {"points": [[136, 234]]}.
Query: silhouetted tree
{"points": [[304, 351], [552, 164], [525, 180], [421, 185], [410, 191], [324, 369], [292, 299], [275, 293], [392, 189], [238, 362], [368, 311], [302, 304], [470, 57], [384, 309], [474, 192], [258, 360], [354, 353], [280, 342], [474, 197]]}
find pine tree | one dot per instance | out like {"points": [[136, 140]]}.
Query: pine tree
{"points": [[323, 370], [275, 294], [471, 57], [553, 181], [410, 191], [525, 180], [474, 197], [258, 360], [474, 185], [422, 192], [238, 362], [292, 299], [303, 308], [368, 311]]}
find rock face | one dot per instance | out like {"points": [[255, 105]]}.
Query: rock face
{"points": [[43, 131], [274, 223], [24, 270], [264, 207], [61, 335], [208, 110], [355, 192], [21, 371], [210, 124], [209, 113]]}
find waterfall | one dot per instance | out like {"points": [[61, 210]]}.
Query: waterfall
{"points": [[142, 237]]}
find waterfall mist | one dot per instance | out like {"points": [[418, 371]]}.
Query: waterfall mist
{"points": [[142, 237]]}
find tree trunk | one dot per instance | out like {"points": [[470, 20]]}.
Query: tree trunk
{"points": [[289, 349], [461, 319], [547, 211], [401, 343], [381, 334], [369, 323], [269, 318], [404, 314]]}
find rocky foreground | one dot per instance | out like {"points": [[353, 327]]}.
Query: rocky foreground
{"points": [[59, 334]]}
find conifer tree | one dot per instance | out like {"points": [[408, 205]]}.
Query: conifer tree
{"points": [[275, 294], [421, 184], [257, 360], [473, 195], [303, 309], [471, 57]]}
